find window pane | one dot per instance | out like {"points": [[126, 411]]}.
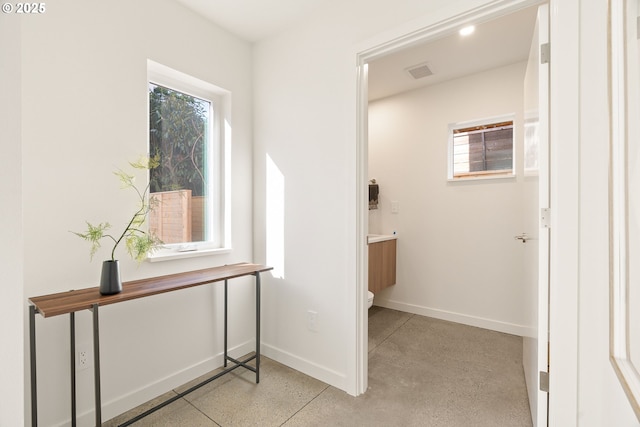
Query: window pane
{"points": [[476, 153], [179, 136], [499, 145], [483, 148], [460, 154]]}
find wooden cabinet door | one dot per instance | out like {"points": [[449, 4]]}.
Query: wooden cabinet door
{"points": [[382, 265]]}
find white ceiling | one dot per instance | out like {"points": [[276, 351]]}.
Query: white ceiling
{"points": [[253, 20], [496, 43]]}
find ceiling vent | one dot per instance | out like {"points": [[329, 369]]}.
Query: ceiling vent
{"points": [[419, 71]]}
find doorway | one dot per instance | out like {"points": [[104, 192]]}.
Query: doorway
{"points": [[369, 60]]}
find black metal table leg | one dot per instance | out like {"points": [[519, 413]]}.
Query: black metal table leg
{"points": [[96, 364], [257, 327], [236, 363], [72, 333], [225, 322], [32, 356]]}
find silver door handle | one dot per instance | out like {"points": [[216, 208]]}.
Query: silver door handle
{"points": [[522, 237]]}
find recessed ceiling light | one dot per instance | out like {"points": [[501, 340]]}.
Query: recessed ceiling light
{"points": [[467, 30]]}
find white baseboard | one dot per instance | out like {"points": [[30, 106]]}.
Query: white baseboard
{"points": [[307, 367], [465, 319], [150, 391]]}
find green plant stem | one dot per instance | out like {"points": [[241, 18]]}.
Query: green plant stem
{"points": [[139, 242], [128, 227]]}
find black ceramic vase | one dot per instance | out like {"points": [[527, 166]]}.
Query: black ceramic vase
{"points": [[110, 280]]}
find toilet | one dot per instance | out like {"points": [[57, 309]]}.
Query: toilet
{"points": [[370, 299]]}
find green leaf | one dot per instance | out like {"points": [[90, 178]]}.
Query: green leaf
{"points": [[93, 235], [140, 245], [126, 180]]}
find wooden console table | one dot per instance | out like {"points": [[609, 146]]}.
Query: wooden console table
{"points": [[90, 299]]}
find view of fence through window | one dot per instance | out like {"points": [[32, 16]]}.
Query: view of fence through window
{"points": [[483, 150], [178, 135]]}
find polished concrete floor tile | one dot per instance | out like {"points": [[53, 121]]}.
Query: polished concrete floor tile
{"points": [[432, 373], [384, 322], [178, 413], [460, 375], [240, 402], [422, 372]]}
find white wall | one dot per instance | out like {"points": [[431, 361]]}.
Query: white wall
{"points": [[11, 291], [84, 110], [457, 256]]}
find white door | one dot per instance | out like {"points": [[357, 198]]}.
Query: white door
{"points": [[536, 201]]}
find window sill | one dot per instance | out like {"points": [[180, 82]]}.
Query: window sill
{"points": [[171, 254], [482, 177]]}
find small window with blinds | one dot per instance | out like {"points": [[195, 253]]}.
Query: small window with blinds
{"points": [[481, 149]]}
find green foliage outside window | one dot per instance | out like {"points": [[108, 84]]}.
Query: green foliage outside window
{"points": [[178, 125]]}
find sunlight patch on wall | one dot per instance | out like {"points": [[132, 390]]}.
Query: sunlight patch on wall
{"points": [[275, 218]]}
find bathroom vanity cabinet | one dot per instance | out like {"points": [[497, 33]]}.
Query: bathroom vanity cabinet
{"points": [[382, 264]]}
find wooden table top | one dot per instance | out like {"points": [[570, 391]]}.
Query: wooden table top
{"points": [[84, 299]]}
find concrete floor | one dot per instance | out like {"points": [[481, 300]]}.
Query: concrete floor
{"points": [[422, 372]]}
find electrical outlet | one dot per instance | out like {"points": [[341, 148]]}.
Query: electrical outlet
{"points": [[83, 358], [312, 320]]}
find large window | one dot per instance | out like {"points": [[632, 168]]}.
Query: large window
{"points": [[481, 149], [187, 137]]}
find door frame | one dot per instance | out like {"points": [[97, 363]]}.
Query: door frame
{"points": [[376, 48], [564, 127]]}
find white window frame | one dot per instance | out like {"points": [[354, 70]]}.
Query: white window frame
{"points": [[219, 221], [481, 175]]}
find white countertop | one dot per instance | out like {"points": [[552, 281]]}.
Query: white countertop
{"points": [[374, 238]]}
